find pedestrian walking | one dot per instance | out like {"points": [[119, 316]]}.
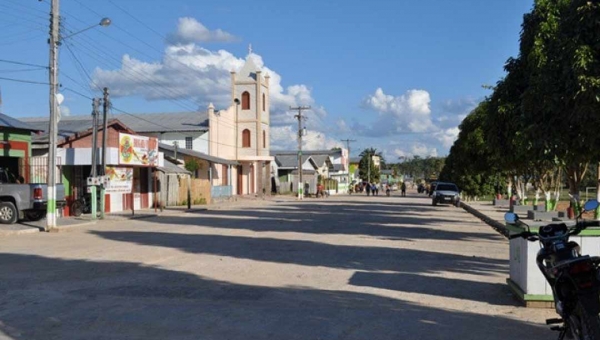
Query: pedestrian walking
{"points": [[403, 188], [368, 189], [375, 190]]}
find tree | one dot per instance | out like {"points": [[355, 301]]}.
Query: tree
{"points": [[367, 170], [470, 162]]}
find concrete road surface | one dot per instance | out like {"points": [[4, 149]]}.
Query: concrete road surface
{"points": [[351, 267]]}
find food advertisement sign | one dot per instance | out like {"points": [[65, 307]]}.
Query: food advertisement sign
{"points": [[138, 150], [120, 179]]}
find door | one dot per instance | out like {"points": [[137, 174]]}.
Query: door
{"points": [[240, 180], [251, 189]]}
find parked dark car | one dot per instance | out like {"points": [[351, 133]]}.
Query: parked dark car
{"points": [[445, 193]]}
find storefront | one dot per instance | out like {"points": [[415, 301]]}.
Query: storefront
{"points": [[15, 146], [130, 160]]}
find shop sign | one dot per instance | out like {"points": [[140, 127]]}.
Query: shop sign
{"points": [[138, 150], [120, 179]]}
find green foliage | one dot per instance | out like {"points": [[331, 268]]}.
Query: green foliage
{"points": [[417, 167], [192, 165], [543, 115], [198, 201], [366, 169]]}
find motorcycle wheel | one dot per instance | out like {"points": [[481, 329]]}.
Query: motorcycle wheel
{"points": [[584, 325], [77, 208]]}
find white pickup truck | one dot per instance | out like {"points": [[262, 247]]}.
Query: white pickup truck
{"points": [[24, 201]]}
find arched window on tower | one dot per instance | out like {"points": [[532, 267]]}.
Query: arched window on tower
{"points": [[264, 139], [246, 138], [246, 100], [264, 103]]}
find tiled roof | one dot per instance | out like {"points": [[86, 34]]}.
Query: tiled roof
{"points": [[290, 161], [171, 168], [167, 121], [170, 150], [144, 122], [13, 123], [307, 152], [66, 128], [320, 159]]}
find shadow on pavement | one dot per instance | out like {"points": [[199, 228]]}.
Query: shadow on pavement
{"points": [[340, 218], [492, 293], [45, 298], [310, 253]]}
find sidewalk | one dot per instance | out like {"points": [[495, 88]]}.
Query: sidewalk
{"points": [[65, 223]]}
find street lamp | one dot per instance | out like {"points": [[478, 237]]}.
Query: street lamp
{"points": [[54, 42], [105, 22]]}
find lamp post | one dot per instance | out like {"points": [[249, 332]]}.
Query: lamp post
{"points": [[54, 42]]}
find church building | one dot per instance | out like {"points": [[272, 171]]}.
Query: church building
{"points": [[241, 132]]}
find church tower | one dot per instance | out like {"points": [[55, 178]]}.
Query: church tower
{"points": [[251, 88], [251, 102]]}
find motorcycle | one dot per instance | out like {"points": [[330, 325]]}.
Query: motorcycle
{"points": [[574, 278], [83, 205]]}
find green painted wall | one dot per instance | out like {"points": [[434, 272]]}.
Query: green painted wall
{"points": [[17, 136]]}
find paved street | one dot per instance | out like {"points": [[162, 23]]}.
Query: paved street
{"points": [[351, 267]]}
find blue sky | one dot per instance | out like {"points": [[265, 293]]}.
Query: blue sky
{"points": [[398, 76]]}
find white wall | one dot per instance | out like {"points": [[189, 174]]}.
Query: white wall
{"points": [[199, 139]]}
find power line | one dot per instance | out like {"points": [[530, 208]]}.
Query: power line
{"points": [[19, 70], [140, 117], [21, 63], [96, 53], [24, 81], [81, 69]]}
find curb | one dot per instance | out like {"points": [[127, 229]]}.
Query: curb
{"points": [[70, 226], [499, 227], [31, 230]]}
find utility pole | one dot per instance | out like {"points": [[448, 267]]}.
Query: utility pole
{"points": [[94, 173], [300, 118], [53, 125], [95, 113], [348, 141], [105, 107]]}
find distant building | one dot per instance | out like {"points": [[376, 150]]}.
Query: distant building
{"points": [[331, 165]]}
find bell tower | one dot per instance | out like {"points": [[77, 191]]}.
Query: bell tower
{"points": [[251, 88]]}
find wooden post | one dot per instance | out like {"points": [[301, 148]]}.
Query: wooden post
{"points": [[133, 198], [155, 191], [189, 192]]}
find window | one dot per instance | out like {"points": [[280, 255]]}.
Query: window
{"points": [[264, 103], [264, 139], [188, 143], [246, 101], [246, 138]]}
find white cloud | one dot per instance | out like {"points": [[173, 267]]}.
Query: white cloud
{"points": [[189, 30], [410, 112], [447, 137], [423, 150], [285, 138]]}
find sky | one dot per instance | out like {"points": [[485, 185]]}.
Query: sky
{"points": [[398, 76]]}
